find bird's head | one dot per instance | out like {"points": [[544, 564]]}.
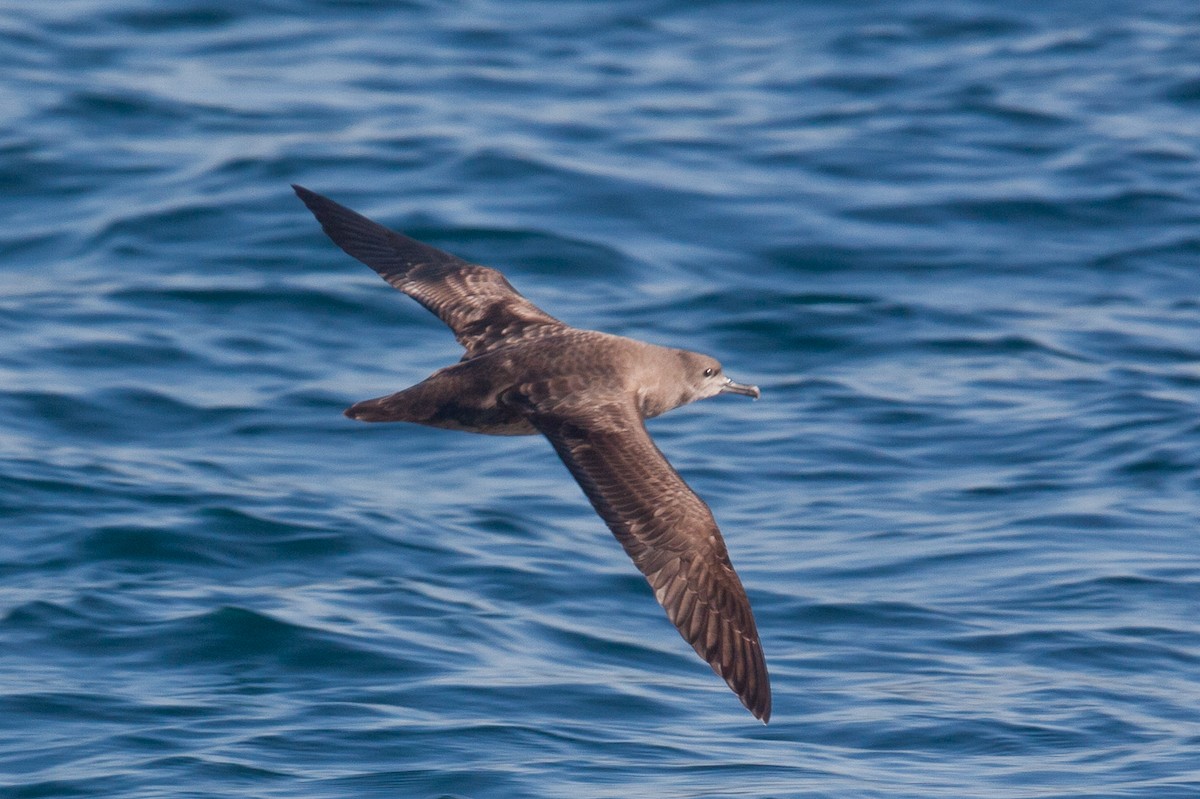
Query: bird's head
{"points": [[703, 377]]}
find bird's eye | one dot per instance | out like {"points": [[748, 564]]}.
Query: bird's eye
{"points": [[708, 372]]}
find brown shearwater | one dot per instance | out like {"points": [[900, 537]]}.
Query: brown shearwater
{"points": [[525, 372]]}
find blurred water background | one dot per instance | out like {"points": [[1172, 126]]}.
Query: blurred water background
{"points": [[956, 244]]}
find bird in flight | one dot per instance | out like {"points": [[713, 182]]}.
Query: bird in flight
{"points": [[525, 372]]}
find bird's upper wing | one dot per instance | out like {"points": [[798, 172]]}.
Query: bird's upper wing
{"points": [[666, 528], [476, 302]]}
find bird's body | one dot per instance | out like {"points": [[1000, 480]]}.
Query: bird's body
{"points": [[525, 372], [482, 394]]}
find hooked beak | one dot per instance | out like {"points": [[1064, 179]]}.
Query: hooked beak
{"points": [[731, 387]]}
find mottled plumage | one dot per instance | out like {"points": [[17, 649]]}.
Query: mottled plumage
{"points": [[525, 372]]}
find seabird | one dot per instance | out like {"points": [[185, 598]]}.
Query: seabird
{"points": [[524, 372]]}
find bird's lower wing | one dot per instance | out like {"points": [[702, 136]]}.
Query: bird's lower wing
{"points": [[669, 532]]}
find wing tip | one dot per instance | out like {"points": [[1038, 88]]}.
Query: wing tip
{"points": [[321, 206], [759, 707], [307, 196], [746, 675], [755, 693]]}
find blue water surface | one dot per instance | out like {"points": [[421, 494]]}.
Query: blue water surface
{"points": [[956, 244]]}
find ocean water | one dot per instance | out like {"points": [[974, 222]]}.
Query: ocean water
{"points": [[956, 244]]}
